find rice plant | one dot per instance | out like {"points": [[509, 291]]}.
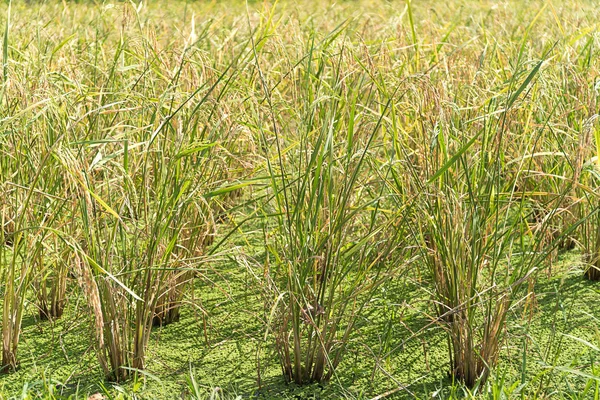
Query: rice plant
{"points": [[51, 282], [479, 246], [29, 197], [328, 251], [588, 206]]}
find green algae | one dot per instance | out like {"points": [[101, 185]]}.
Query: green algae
{"points": [[221, 342]]}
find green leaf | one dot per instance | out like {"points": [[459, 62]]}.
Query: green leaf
{"points": [[194, 148], [525, 83], [455, 157], [226, 189]]}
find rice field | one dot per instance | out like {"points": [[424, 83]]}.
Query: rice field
{"points": [[361, 199]]}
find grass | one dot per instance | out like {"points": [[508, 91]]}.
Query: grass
{"points": [[357, 200]]}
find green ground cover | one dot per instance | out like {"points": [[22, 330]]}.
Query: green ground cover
{"points": [[221, 340]]}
